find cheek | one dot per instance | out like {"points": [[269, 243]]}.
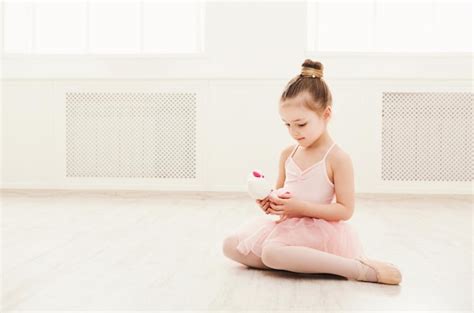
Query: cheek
{"points": [[315, 129]]}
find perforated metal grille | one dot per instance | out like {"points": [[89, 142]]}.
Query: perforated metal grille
{"points": [[427, 136], [136, 135]]}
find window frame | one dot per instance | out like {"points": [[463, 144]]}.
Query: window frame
{"points": [[201, 53], [311, 41]]}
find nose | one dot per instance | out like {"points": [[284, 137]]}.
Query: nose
{"points": [[295, 135]]}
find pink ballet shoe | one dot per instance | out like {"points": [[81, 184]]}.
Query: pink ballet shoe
{"points": [[387, 273]]}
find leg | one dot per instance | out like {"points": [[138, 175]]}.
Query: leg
{"points": [[307, 260], [229, 249]]}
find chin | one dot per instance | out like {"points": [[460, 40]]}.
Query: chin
{"points": [[306, 143]]}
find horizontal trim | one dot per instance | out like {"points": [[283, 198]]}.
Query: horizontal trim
{"points": [[396, 67], [464, 192], [326, 54]]}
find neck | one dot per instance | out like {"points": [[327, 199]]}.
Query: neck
{"points": [[323, 141]]}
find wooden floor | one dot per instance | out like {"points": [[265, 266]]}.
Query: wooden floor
{"points": [[162, 251]]}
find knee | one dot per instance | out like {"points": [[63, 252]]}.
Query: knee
{"points": [[229, 247], [272, 256]]}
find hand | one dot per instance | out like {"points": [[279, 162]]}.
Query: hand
{"points": [[285, 206], [264, 204], [282, 218]]}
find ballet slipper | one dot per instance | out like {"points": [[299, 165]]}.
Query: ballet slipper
{"points": [[387, 273]]}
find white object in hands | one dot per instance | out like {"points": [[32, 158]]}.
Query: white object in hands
{"points": [[257, 186]]}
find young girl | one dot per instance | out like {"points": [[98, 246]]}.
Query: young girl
{"points": [[311, 235]]}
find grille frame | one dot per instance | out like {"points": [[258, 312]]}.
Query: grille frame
{"points": [[196, 181], [412, 120]]}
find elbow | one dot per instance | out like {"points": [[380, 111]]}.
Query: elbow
{"points": [[348, 212]]}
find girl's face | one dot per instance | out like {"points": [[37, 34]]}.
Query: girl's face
{"points": [[304, 125]]}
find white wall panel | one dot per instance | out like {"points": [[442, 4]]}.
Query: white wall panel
{"points": [[253, 49]]}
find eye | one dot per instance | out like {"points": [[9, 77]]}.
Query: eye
{"points": [[287, 125], [301, 125]]}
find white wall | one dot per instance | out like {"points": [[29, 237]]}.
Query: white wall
{"points": [[252, 50]]}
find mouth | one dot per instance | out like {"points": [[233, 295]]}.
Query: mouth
{"points": [[300, 138]]}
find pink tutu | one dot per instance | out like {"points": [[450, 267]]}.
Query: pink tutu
{"points": [[333, 237]]}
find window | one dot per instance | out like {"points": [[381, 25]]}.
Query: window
{"points": [[103, 27], [414, 26]]}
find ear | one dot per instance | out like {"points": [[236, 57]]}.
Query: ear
{"points": [[327, 113]]}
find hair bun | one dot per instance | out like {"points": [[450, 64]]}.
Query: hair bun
{"points": [[312, 69]]}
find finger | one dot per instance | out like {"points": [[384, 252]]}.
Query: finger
{"points": [[282, 218], [276, 201], [266, 206], [271, 211], [276, 207]]}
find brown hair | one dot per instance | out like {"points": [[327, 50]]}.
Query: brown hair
{"points": [[310, 80]]}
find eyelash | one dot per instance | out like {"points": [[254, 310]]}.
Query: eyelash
{"points": [[298, 125]]}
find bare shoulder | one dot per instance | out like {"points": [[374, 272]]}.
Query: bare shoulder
{"points": [[287, 151], [338, 159]]}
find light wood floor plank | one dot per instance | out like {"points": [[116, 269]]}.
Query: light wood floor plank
{"points": [[104, 250]]}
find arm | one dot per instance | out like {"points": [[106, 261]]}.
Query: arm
{"points": [[281, 167], [343, 209]]}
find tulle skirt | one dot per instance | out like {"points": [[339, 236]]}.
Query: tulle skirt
{"points": [[338, 238]]}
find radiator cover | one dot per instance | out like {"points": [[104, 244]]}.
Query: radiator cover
{"points": [[427, 136], [131, 135]]}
